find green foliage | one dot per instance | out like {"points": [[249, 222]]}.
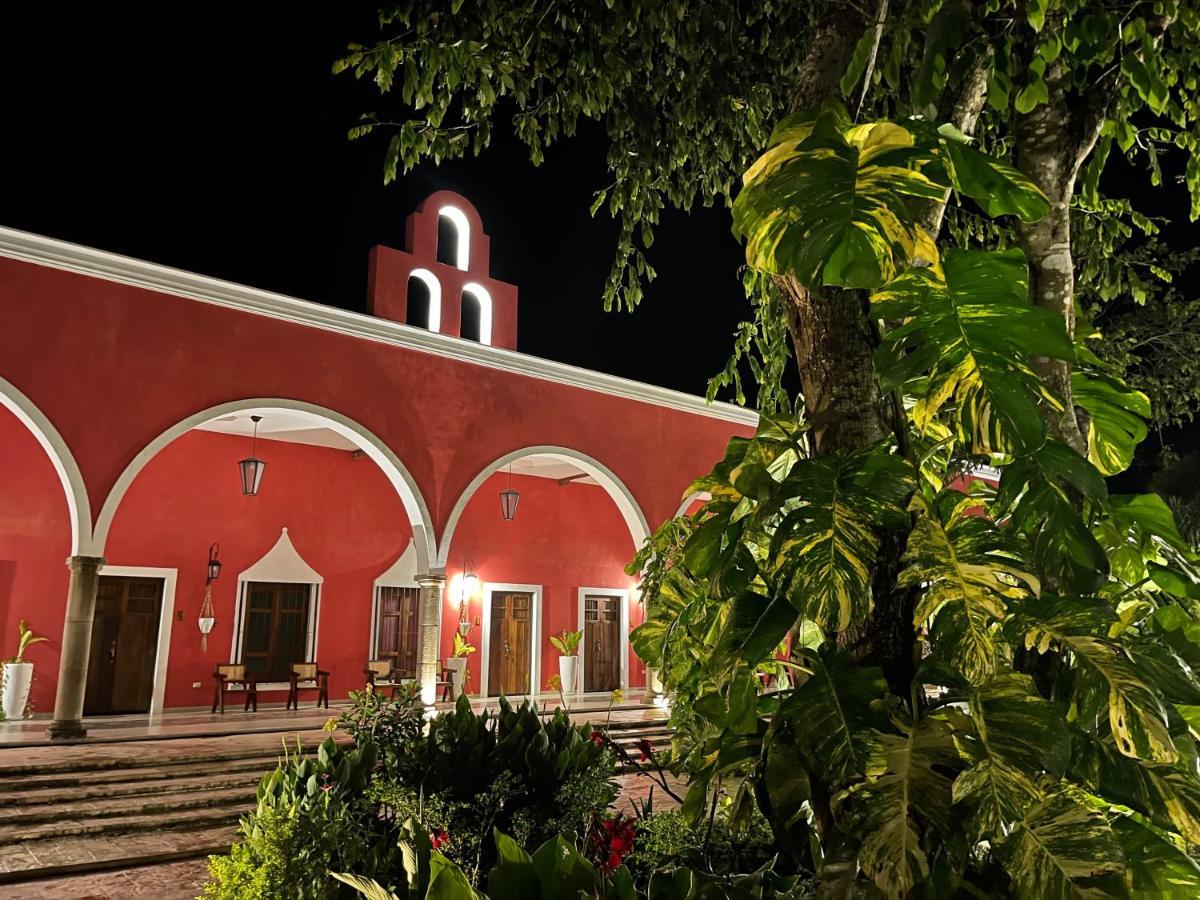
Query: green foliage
{"points": [[514, 770], [25, 637], [392, 724], [567, 643], [313, 816]]}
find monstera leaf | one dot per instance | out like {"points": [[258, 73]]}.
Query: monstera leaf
{"points": [[1018, 738], [1155, 866], [831, 715], [1060, 849], [826, 201], [969, 327], [1168, 796], [1041, 489], [913, 794], [967, 570], [826, 547], [1116, 419]]}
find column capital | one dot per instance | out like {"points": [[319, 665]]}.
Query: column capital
{"points": [[85, 562], [432, 577]]}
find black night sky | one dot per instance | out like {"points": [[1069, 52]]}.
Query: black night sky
{"points": [[217, 144]]}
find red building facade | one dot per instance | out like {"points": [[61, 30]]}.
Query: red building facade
{"points": [[128, 391]]}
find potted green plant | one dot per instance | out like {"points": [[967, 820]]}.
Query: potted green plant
{"points": [[457, 663], [567, 645], [17, 674]]}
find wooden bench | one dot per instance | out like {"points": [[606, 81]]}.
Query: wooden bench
{"points": [[307, 677], [381, 674], [233, 677]]}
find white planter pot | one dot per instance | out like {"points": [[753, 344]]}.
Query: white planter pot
{"points": [[458, 673], [568, 672], [17, 679], [653, 684]]}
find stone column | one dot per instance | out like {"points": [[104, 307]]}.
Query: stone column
{"points": [[429, 620], [76, 644]]}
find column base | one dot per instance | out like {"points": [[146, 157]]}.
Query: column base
{"points": [[72, 729]]}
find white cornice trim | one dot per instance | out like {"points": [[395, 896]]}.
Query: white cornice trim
{"points": [[69, 257]]}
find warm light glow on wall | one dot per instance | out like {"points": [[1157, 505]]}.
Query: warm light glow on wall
{"points": [[457, 218]]}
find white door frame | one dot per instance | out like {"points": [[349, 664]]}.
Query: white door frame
{"points": [[623, 639], [535, 633], [166, 617]]}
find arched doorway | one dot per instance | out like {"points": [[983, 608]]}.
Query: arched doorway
{"points": [[557, 564]]}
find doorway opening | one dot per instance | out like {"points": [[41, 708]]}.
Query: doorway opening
{"points": [[604, 621], [125, 645], [512, 633]]}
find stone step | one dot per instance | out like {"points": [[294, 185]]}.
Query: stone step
{"points": [[98, 762], [22, 863], [112, 777], [89, 790], [222, 814], [79, 810]]}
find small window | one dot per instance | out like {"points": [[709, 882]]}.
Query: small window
{"points": [[472, 313], [419, 302], [447, 244], [396, 628]]}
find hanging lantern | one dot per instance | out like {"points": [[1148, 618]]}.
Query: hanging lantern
{"points": [[509, 499], [207, 618], [252, 467], [214, 564], [470, 587]]}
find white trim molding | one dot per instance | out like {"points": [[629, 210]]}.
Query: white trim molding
{"points": [[535, 633], [623, 593], [166, 617], [43, 430], [69, 257], [631, 512]]}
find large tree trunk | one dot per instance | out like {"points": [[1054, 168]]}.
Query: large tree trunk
{"points": [[834, 342], [1050, 146]]}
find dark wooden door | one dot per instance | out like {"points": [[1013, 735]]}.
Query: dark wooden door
{"points": [[601, 642], [396, 632], [124, 645], [275, 632], [509, 651]]}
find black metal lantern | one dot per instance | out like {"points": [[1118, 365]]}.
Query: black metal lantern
{"points": [[252, 467], [509, 499], [214, 564]]}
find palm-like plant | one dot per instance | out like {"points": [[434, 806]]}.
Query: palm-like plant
{"points": [[1042, 742]]}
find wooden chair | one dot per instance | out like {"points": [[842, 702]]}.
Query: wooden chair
{"points": [[446, 683], [381, 675], [307, 676], [233, 677]]}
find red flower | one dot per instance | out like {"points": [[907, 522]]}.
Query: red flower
{"points": [[613, 862], [646, 748], [597, 738], [439, 840]]}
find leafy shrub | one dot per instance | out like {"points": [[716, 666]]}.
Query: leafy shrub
{"points": [[512, 771], [391, 724], [313, 815], [669, 839]]}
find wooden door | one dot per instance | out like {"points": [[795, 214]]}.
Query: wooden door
{"points": [[124, 645], [396, 631], [509, 652], [275, 633], [601, 642]]}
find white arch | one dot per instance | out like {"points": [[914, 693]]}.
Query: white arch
{"points": [[78, 505], [631, 512], [435, 296], [383, 456], [484, 299], [462, 228]]}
